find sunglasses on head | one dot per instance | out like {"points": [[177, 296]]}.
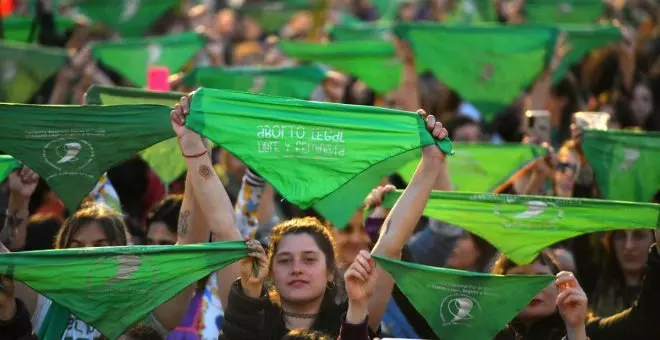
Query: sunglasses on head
{"points": [[563, 166]]}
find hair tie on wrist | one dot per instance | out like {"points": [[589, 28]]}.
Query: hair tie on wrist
{"points": [[195, 155]]}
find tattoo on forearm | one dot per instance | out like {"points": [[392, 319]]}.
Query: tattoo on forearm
{"points": [[12, 222], [205, 172], [184, 216]]}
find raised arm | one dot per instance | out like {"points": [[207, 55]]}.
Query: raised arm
{"points": [[209, 192], [404, 216], [22, 184]]}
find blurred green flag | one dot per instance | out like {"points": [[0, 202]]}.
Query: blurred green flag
{"points": [[373, 62], [583, 39], [24, 68], [626, 163], [18, 28], [132, 58], [488, 65], [522, 226], [7, 165], [481, 167], [563, 11], [130, 18], [295, 81]]}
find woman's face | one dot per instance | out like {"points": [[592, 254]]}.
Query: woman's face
{"points": [[631, 248], [568, 166], [468, 133], [642, 103], [351, 240], [545, 302], [299, 269], [89, 236], [334, 86], [160, 235], [360, 93], [465, 254]]}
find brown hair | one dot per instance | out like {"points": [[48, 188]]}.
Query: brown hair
{"points": [[311, 226], [109, 220], [320, 232], [546, 257]]}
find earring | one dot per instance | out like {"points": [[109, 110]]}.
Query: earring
{"points": [[331, 285]]}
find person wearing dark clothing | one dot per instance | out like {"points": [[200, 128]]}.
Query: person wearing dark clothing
{"points": [[17, 327]]}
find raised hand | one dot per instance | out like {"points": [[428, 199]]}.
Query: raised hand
{"points": [[191, 143], [252, 277], [23, 182], [360, 278], [375, 199], [571, 302], [438, 132]]}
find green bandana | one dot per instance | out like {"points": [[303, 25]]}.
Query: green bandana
{"points": [[373, 62], [295, 82], [522, 226], [130, 18], [112, 288], [322, 154], [564, 11], [25, 67], [460, 304], [389, 9], [18, 28], [626, 164], [473, 11], [362, 31], [481, 167], [274, 15], [582, 40], [172, 51], [163, 158], [488, 65], [7, 165], [70, 147]]}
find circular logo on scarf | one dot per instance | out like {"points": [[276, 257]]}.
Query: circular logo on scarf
{"points": [[565, 8], [117, 275], [154, 50], [67, 154], [459, 309], [530, 214], [9, 71], [129, 10]]}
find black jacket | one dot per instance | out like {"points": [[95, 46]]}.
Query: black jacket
{"points": [[248, 318], [18, 328]]}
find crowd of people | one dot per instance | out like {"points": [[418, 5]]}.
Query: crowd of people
{"points": [[305, 278]]}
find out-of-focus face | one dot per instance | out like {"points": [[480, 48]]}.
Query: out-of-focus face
{"points": [[160, 235], [334, 86], [89, 236], [252, 30], [468, 133], [568, 166], [299, 269], [465, 254], [225, 23], [545, 302], [642, 103], [631, 248], [350, 240]]}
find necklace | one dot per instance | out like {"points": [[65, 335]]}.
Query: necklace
{"points": [[300, 315]]}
